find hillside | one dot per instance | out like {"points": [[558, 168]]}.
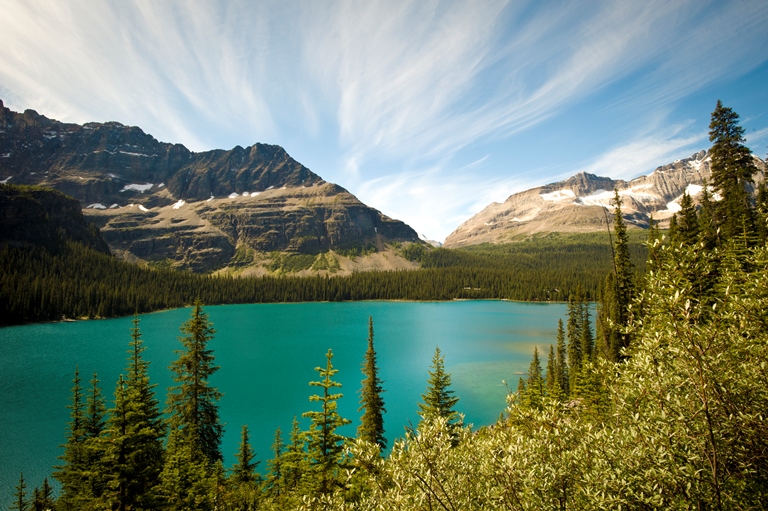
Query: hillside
{"points": [[582, 203], [164, 204]]}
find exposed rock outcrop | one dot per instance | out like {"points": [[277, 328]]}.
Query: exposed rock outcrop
{"points": [[579, 203], [161, 202]]}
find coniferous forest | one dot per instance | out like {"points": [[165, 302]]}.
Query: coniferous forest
{"points": [[73, 281], [663, 406]]}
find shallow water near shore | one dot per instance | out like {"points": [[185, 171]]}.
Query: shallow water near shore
{"points": [[267, 354]]}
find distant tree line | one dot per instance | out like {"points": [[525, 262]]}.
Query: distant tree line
{"points": [[77, 282]]}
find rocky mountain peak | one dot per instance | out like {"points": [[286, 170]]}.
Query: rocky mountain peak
{"points": [[156, 201], [577, 204]]}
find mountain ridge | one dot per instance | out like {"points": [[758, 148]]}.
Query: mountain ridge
{"points": [[580, 203], [162, 203]]}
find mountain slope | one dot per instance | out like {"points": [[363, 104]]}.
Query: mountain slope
{"points": [[160, 202], [582, 203]]}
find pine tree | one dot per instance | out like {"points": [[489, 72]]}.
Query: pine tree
{"points": [[534, 385], [193, 404], [43, 498], [245, 493], [71, 474], [243, 471], [761, 213], [438, 400], [587, 340], [575, 335], [93, 477], [371, 426], [732, 169], [709, 232], [618, 292], [563, 372], [189, 480], [294, 460], [553, 385], [134, 435], [688, 222], [20, 497], [274, 483], [325, 446]]}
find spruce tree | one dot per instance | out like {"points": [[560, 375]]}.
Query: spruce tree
{"points": [[134, 434], [325, 446], [43, 498], [587, 340], [618, 292], [294, 460], [732, 169], [553, 385], [534, 387], [274, 483], [20, 497], [243, 470], [575, 335], [438, 400], [71, 474], [709, 232], [562, 362], [688, 222], [761, 213], [371, 426], [192, 407]]}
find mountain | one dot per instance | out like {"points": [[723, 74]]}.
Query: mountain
{"points": [[582, 203], [165, 204], [31, 216]]}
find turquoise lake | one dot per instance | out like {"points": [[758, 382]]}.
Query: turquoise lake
{"points": [[267, 354]]}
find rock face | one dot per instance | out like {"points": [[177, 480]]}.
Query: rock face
{"points": [[161, 202], [583, 203], [34, 216]]}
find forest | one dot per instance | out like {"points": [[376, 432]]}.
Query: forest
{"points": [[72, 281], [661, 407]]}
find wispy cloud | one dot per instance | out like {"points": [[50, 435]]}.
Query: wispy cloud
{"points": [[381, 86]]}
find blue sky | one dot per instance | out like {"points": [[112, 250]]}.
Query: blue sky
{"points": [[426, 110]]}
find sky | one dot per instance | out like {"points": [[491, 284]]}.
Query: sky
{"points": [[426, 110]]}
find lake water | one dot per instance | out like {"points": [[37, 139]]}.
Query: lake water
{"points": [[267, 354]]}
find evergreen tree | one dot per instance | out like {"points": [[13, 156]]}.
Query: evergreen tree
{"points": [[93, 477], [325, 446], [618, 292], [688, 222], [371, 426], [761, 213], [562, 362], [243, 471], [438, 400], [189, 480], [294, 460], [732, 169], [134, 435], [20, 497], [96, 410], [534, 387], [274, 483], [587, 340], [193, 404], [709, 232], [245, 494], [575, 335], [71, 474], [553, 385], [43, 498]]}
